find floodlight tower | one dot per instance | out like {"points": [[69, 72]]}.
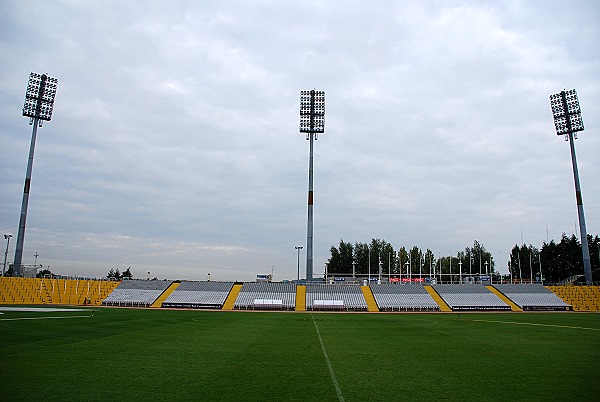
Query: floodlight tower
{"points": [[568, 121], [39, 102], [312, 122]]}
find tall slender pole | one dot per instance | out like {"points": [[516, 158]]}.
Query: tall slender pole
{"points": [[7, 237], [21, 234], [309, 230], [298, 248], [470, 265], [587, 266], [530, 267], [369, 264], [430, 266], [540, 261]]}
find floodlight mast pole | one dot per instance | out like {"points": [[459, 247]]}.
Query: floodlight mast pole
{"points": [[39, 101], [567, 120], [309, 229], [312, 122], [587, 266], [25, 203]]}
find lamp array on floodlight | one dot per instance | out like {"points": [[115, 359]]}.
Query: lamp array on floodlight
{"points": [[312, 112], [39, 97]]}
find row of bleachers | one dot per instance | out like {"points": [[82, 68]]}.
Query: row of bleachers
{"points": [[16, 290], [581, 297], [403, 297], [136, 293], [335, 297], [266, 296], [193, 294], [470, 297], [533, 297], [389, 297]]}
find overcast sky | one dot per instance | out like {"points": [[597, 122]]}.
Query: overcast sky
{"points": [[174, 146]]}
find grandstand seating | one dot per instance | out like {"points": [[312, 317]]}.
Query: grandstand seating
{"points": [[389, 297], [470, 297], [136, 293], [403, 297], [266, 296], [199, 295], [335, 297], [532, 297], [582, 298], [15, 290]]}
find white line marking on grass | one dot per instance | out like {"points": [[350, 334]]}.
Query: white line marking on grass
{"points": [[44, 318], [338, 390], [539, 325]]}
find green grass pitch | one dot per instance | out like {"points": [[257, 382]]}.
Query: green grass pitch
{"points": [[153, 354]]}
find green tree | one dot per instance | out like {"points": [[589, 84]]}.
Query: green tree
{"points": [[361, 257], [127, 274], [341, 258], [43, 273], [403, 261], [114, 273], [564, 259], [479, 256]]}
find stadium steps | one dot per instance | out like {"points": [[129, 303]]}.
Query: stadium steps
{"points": [[371, 303], [158, 302], [230, 301], [301, 298], [437, 298], [505, 299]]}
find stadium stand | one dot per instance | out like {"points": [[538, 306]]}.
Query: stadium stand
{"points": [[266, 296], [403, 297], [582, 298], [136, 293], [533, 297], [335, 297], [470, 297], [191, 294], [54, 291]]}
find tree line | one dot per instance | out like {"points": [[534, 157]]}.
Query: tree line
{"points": [[380, 256], [555, 261], [114, 273]]}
